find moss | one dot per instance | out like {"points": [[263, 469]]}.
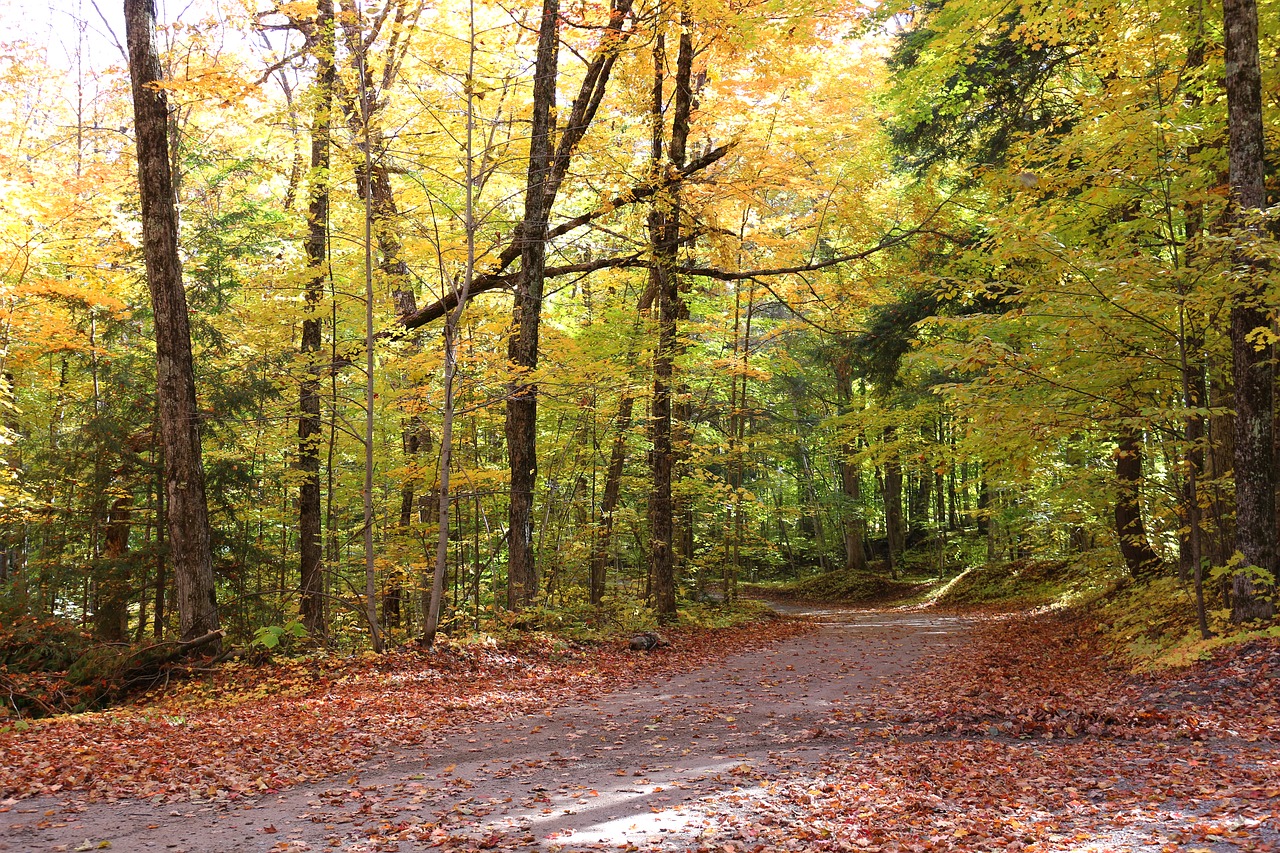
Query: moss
{"points": [[1032, 583], [842, 586]]}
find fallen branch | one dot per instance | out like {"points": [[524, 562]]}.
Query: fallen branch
{"points": [[104, 677]]}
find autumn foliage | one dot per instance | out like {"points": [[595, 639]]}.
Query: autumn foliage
{"points": [[1029, 737], [242, 730]]}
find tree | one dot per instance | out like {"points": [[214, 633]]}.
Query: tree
{"points": [[664, 237], [522, 402], [1131, 531], [452, 325], [1252, 373], [311, 577], [188, 514]]}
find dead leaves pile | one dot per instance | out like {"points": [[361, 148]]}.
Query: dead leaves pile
{"points": [[1028, 740], [246, 731]]}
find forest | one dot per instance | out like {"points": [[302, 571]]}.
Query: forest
{"points": [[355, 324], [727, 426]]}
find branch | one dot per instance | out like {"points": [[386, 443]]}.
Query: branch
{"points": [[497, 281], [743, 275], [497, 277], [641, 192], [177, 648]]}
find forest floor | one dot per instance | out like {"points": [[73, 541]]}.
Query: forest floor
{"points": [[847, 730]]}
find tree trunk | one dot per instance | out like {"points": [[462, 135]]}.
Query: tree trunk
{"points": [[311, 579], [850, 477], [1139, 558], [609, 501], [522, 404], [894, 529], [664, 235], [1252, 370], [1220, 451], [112, 581], [162, 575], [188, 513]]}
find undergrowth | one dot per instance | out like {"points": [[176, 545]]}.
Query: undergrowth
{"points": [[49, 668], [844, 586], [1031, 583], [1152, 624], [1148, 624]]}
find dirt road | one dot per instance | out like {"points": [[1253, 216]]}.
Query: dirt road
{"points": [[626, 769]]}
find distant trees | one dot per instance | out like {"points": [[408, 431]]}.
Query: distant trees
{"points": [[1103, 294]]}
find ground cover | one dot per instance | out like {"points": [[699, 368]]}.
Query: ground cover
{"points": [[899, 731], [1032, 737], [247, 730]]}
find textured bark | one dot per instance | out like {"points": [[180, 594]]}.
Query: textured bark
{"points": [[895, 530], [1139, 558], [609, 500], [850, 475], [664, 235], [160, 614], [1252, 370], [522, 404], [311, 578], [188, 517]]}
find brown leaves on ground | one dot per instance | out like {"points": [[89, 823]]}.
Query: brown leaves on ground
{"points": [[1049, 677], [1028, 739], [249, 730]]}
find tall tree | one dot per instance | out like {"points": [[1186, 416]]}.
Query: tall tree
{"points": [[1252, 368], [188, 514], [309, 426], [664, 236], [451, 327], [895, 528], [522, 402], [855, 555], [1139, 557]]}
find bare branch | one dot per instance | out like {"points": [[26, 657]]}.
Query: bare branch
{"points": [[498, 278]]}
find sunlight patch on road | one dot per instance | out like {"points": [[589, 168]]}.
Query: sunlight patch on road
{"points": [[637, 811], [677, 824]]}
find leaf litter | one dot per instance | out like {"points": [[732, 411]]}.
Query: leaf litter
{"points": [[1026, 736], [250, 730], [1029, 738]]}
